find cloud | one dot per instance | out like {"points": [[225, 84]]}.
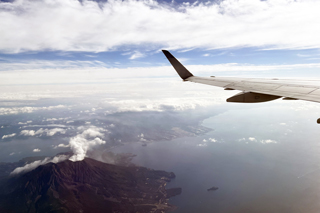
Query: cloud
{"points": [[51, 132], [35, 164], [41, 131], [136, 55], [21, 123], [18, 110], [8, 136], [268, 141], [105, 26], [202, 144], [212, 140], [93, 75], [27, 132], [86, 141], [36, 150], [252, 139], [46, 64], [62, 145], [174, 104], [142, 139]]}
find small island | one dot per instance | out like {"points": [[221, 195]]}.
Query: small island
{"points": [[212, 189]]}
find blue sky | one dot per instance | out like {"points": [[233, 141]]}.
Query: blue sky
{"points": [[124, 34]]}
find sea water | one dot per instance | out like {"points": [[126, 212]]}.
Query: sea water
{"points": [[251, 177]]}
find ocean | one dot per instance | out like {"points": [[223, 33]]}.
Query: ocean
{"points": [[252, 175]]}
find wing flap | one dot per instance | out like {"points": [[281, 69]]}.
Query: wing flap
{"points": [[269, 87]]}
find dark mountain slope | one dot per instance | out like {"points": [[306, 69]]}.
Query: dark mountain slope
{"points": [[87, 186]]}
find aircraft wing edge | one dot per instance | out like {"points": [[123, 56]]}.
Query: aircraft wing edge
{"points": [[253, 87]]}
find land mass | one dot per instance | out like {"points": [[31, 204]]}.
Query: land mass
{"points": [[87, 186], [212, 189]]}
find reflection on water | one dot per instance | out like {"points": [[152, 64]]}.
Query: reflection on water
{"points": [[252, 177]]}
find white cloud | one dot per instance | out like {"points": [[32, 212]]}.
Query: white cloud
{"points": [[12, 153], [36, 150], [27, 132], [51, 132], [141, 136], [39, 75], [92, 26], [213, 140], [252, 139], [24, 123], [136, 55], [41, 131], [176, 104], [8, 136], [35, 164], [18, 110], [62, 145], [268, 141]]}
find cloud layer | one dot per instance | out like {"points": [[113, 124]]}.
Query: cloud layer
{"points": [[71, 25], [35, 164]]}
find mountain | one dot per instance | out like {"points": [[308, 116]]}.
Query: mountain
{"points": [[87, 186]]}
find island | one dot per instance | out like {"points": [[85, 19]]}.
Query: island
{"points": [[212, 189], [88, 186]]}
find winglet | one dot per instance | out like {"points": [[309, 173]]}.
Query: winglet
{"points": [[181, 70]]}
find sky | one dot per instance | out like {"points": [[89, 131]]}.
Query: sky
{"points": [[72, 34]]}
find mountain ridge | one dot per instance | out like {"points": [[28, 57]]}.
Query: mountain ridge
{"points": [[87, 186]]}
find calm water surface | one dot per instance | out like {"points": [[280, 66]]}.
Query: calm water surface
{"points": [[252, 177]]}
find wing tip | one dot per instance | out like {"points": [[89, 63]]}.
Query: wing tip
{"points": [[167, 54], [181, 70]]}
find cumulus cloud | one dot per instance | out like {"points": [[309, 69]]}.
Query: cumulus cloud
{"points": [[212, 140], [268, 141], [41, 131], [36, 150], [24, 123], [51, 132], [252, 139], [35, 164], [8, 136], [27, 132], [86, 141], [61, 145], [18, 110]]}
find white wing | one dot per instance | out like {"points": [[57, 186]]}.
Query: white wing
{"points": [[254, 89]]}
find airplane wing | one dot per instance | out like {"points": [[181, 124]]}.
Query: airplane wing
{"points": [[254, 90]]}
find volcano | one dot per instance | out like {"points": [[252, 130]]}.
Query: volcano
{"points": [[88, 186]]}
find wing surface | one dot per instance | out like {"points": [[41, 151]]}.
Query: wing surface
{"points": [[308, 90]]}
